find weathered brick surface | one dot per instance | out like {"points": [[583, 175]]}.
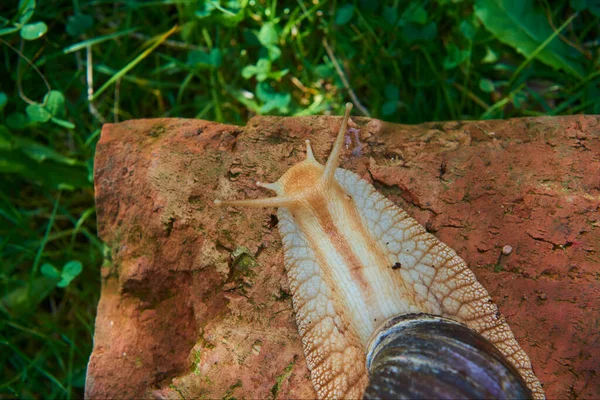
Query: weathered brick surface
{"points": [[180, 315]]}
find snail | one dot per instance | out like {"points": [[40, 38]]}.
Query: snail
{"points": [[355, 261]]}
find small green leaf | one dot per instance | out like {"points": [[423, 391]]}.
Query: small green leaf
{"points": [[90, 168], [228, 13], [26, 9], [262, 70], [272, 100], [344, 14], [392, 92], [205, 8], [486, 85], [54, 103], [455, 57], [324, 71], [490, 56], [277, 75], [216, 58], [467, 29], [279, 102], [79, 24], [50, 271], [418, 15], [34, 31], [389, 107], [519, 99], [414, 32], [37, 113], [70, 272], [263, 67], [3, 100], [16, 120], [268, 34], [274, 52], [199, 58], [249, 71]]}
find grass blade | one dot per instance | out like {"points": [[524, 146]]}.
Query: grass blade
{"points": [[133, 63], [40, 251], [97, 40]]}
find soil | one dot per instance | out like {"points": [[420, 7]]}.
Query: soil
{"points": [[195, 302]]}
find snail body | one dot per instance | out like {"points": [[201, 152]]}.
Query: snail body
{"points": [[355, 260]]}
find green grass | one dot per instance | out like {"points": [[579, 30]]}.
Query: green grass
{"points": [[68, 66]]}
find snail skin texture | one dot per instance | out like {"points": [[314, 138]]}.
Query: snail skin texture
{"points": [[354, 260]]}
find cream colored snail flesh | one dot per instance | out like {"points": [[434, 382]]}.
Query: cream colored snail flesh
{"points": [[354, 260]]}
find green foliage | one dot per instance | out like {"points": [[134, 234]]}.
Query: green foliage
{"points": [[486, 85], [525, 28], [34, 31], [79, 24], [64, 277], [344, 14], [593, 6], [3, 100], [226, 60], [225, 13], [455, 57], [272, 100], [392, 96], [202, 59]]}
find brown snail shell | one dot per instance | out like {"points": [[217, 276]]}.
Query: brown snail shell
{"points": [[430, 357]]}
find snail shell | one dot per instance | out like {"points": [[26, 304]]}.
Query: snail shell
{"points": [[428, 357]]}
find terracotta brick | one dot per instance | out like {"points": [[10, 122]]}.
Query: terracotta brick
{"points": [[179, 316]]}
